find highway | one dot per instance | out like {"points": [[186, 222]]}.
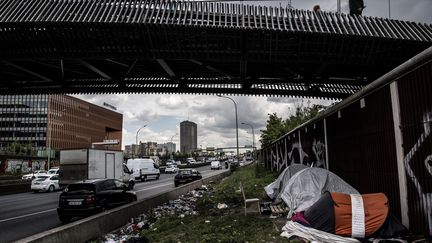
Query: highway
{"points": [[26, 214]]}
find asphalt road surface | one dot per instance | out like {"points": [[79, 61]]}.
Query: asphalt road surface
{"points": [[26, 214]]}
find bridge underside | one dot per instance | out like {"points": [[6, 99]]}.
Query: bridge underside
{"points": [[119, 57]]}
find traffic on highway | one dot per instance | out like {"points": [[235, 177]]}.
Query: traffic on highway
{"points": [[26, 214]]}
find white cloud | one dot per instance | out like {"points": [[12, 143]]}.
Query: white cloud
{"points": [[214, 116], [171, 102]]}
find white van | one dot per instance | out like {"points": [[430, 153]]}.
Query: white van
{"points": [[216, 165], [143, 169]]}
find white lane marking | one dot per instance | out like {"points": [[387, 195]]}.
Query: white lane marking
{"points": [[153, 187], [27, 215]]}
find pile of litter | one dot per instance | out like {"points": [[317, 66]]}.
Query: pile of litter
{"points": [[131, 231], [181, 207]]}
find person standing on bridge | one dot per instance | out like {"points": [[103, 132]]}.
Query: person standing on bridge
{"points": [[316, 8], [356, 7]]}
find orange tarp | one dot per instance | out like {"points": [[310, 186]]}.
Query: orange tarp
{"points": [[375, 208]]}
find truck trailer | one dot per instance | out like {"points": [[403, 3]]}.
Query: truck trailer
{"points": [[82, 164]]}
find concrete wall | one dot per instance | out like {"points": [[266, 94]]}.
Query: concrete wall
{"points": [[100, 224]]}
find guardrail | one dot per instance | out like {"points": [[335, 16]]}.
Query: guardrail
{"points": [[14, 186], [92, 227]]}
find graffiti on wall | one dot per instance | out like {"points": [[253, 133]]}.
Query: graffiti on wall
{"points": [[291, 150], [425, 197], [318, 149]]}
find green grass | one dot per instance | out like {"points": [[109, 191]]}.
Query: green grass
{"points": [[227, 228], [227, 225]]}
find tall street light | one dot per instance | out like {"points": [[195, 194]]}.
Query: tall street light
{"points": [[253, 134], [136, 137], [235, 106], [172, 146], [173, 136]]}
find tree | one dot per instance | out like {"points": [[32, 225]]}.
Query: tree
{"points": [[277, 127]]}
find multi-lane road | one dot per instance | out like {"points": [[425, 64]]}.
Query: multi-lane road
{"points": [[25, 214]]}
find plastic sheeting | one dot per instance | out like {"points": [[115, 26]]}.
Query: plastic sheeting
{"points": [[313, 235], [306, 187], [275, 188]]}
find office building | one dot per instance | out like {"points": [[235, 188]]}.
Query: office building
{"points": [[167, 148], [56, 121], [188, 136]]}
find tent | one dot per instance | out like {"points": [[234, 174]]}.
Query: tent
{"points": [[274, 189], [306, 187]]}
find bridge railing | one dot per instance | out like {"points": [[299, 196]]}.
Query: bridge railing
{"points": [[196, 13]]}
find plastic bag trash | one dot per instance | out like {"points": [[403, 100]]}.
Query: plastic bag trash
{"points": [[222, 206], [140, 224], [207, 221]]}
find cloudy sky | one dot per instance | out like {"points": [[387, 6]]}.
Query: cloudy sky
{"points": [[215, 116]]}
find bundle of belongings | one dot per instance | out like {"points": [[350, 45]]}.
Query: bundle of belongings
{"points": [[325, 208]]}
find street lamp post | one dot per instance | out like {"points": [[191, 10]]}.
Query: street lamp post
{"points": [[253, 135], [235, 106], [171, 156], [136, 137], [49, 142]]}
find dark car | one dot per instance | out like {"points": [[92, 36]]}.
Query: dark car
{"points": [[92, 196], [185, 176]]}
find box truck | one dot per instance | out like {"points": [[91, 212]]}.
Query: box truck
{"points": [[82, 164]]}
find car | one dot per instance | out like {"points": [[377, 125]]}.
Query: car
{"points": [[216, 165], [92, 196], [53, 171], [170, 162], [46, 183], [34, 175], [190, 161], [171, 169], [185, 176]]}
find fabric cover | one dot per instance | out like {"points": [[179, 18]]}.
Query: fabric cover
{"points": [[321, 214], [306, 187], [275, 188], [375, 207], [295, 229], [332, 213]]}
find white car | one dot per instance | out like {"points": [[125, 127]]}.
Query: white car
{"points": [[34, 175], [171, 169], [216, 165], [190, 161], [46, 183], [53, 171]]}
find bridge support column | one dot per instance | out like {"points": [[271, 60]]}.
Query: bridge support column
{"points": [[403, 194], [326, 145]]}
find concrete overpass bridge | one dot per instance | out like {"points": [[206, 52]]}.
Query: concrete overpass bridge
{"points": [[139, 46]]}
